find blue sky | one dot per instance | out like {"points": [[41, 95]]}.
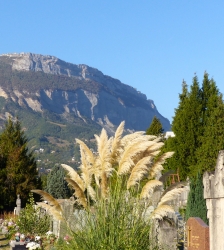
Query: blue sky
{"points": [[150, 45]]}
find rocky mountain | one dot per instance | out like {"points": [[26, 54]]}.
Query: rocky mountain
{"points": [[107, 102], [62, 95]]}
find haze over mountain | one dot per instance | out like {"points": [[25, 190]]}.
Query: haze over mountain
{"points": [[48, 94]]}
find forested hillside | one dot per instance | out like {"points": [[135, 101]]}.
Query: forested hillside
{"points": [[49, 132]]}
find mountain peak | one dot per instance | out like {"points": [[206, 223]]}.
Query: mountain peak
{"points": [[107, 100]]}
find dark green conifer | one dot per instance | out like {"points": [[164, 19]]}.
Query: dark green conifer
{"points": [[18, 170], [196, 204], [186, 127], [209, 95], [155, 127], [194, 129], [198, 128], [212, 140], [178, 125], [56, 184]]}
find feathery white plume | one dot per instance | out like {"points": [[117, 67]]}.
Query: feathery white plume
{"points": [[147, 190], [139, 171]]}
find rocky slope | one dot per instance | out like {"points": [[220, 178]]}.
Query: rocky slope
{"points": [[39, 83]]}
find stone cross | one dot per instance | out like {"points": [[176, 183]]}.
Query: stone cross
{"points": [[214, 195]]}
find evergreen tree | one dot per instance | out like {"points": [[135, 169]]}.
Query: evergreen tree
{"points": [[3, 174], [155, 128], [186, 127], [213, 137], [179, 123], [209, 96], [193, 129], [56, 184], [18, 170], [198, 128], [196, 204]]}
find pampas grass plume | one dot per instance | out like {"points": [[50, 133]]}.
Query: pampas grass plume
{"points": [[161, 211], [139, 171], [50, 199], [149, 187], [74, 176]]}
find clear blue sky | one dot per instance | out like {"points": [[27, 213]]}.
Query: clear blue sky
{"points": [[150, 45]]}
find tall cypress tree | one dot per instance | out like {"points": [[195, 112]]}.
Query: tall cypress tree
{"points": [[186, 127], [194, 129], [18, 170], [178, 125], [196, 204], [209, 96], [213, 137]]}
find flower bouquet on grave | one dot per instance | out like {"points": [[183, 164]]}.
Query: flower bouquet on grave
{"points": [[33, 242], [33, 245]]}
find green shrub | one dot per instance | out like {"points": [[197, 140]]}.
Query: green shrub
{"points": [[32, 220]]}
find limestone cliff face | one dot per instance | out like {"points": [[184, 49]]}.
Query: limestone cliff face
{"points": [[112, 103]]}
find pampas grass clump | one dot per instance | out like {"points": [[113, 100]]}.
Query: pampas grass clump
{"points": [[110, 191]]}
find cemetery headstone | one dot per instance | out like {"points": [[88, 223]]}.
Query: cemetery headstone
{"points": [[197, 234]]}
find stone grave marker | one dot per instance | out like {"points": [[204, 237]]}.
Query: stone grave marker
{"points": [[197, 234]]}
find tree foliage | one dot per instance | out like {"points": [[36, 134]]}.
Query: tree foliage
{"points": [[196, 204], [56, 184], [198, 126], [51, 132], [155, 127], [18, 171], [33, 220], [212, 139]]}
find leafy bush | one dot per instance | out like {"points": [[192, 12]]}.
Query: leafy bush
{"points": [[32, 220]]}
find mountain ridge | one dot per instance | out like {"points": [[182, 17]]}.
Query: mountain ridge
{"points": [[90, 83], [57, 102]]}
